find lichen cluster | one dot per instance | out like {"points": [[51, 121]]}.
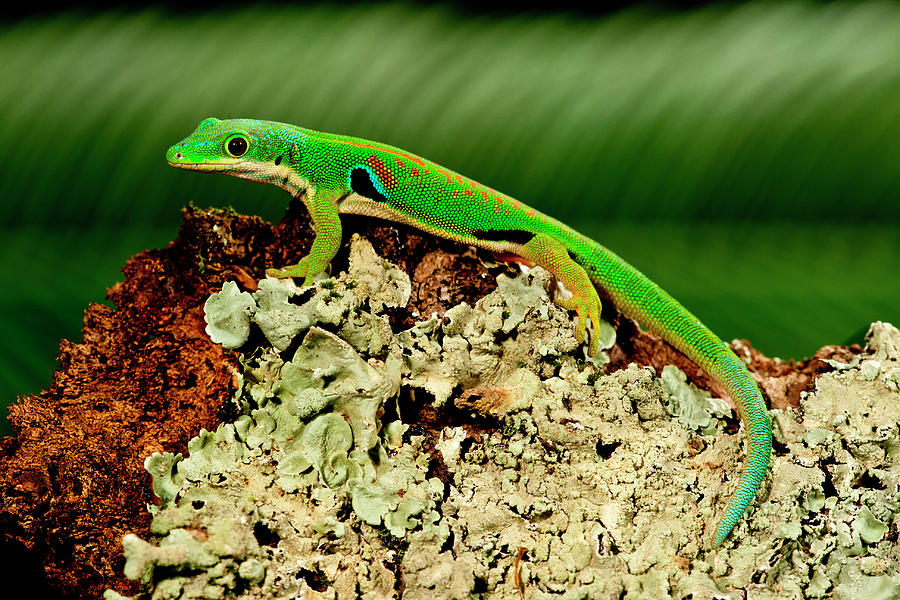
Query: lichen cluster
{"points": [[572, 485]]}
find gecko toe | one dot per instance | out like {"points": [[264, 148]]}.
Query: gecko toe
{"points": [[587, 310], [299, 270], [591, 312]]}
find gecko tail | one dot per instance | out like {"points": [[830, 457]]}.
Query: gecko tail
{"points": [[639, 298], [755, 416]]}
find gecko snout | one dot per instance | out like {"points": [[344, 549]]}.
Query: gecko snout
{"points": [[175, 154]]}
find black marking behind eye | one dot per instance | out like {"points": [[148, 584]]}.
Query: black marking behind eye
{"points": [[362, 184], [516, 236], [278, 160]]}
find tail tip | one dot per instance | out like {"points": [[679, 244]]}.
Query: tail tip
{"points": [[724, 529]]}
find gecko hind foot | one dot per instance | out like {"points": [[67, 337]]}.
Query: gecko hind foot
{"points": [[587, 306]]}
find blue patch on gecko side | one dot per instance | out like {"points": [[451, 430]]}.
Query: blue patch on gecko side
{"points": [[363, 181]]}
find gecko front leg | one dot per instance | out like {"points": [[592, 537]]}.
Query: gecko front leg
{"points": [[327, 224]]}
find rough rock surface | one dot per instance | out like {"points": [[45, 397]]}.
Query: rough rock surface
{"points": [[146, 377], [588, 486]]}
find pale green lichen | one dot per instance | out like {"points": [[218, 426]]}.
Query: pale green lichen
{"points": [[695, 408], [228, 316], [589, 487]]}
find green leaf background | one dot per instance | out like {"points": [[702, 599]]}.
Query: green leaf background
{"points": [[746, 157]]}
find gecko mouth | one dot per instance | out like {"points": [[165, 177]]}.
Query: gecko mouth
{"points": [[233, 166], [247, 169]]}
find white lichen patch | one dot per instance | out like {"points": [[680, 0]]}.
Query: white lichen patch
{"points": [[565, 484], [695, 408]]}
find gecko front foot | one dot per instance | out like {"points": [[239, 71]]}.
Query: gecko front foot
{"points": [[301, 269]]}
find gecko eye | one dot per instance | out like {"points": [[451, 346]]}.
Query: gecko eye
{"points": [[236, 146]]}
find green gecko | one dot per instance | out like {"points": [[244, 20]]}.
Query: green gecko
{"points": [[336, 174]]}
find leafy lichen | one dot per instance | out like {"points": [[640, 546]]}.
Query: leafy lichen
{"points": [[696, 409], [590, 487]]}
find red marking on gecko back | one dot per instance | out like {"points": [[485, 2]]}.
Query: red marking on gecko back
{"points": [[384, 174]]}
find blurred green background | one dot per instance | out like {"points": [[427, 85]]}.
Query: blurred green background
{"points": [[745, 156]]}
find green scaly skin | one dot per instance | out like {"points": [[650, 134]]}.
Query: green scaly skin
{"points": [[336, 174]]}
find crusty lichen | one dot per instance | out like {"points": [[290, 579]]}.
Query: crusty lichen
{"points": [[590, 487]]}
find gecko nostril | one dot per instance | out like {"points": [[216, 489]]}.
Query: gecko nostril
{"points": [[178, 155]]}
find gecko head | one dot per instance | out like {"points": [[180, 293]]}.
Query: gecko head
{"points": [[261, 151], [231, 146]]}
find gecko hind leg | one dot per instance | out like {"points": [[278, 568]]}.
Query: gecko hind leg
{"points": [[551, 254]]}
